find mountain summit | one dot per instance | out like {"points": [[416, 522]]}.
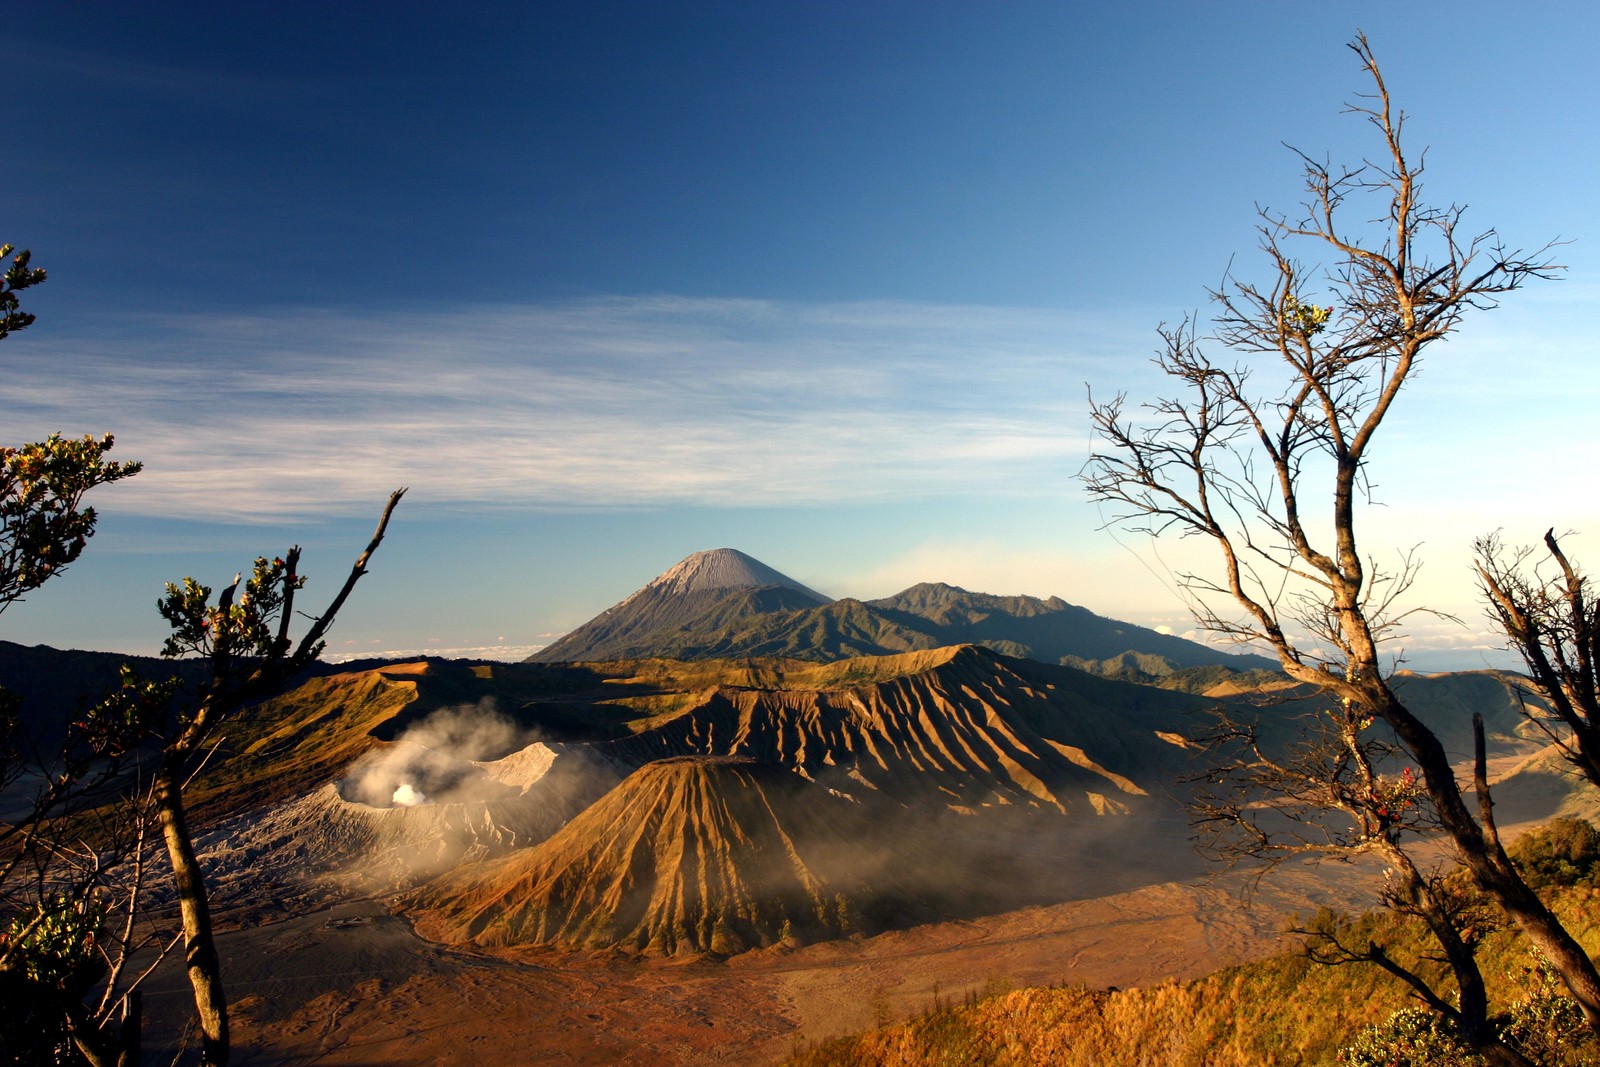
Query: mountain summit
{"points": [[719, 570], [706, 592]]}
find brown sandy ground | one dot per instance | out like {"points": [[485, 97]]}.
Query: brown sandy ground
{"points": [[352, 985]]}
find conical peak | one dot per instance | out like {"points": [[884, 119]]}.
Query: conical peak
{"points": [[740, 780], [721, 569]]}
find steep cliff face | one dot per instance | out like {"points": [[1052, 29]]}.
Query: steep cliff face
{"points": [[690, 854], [960, 728]]}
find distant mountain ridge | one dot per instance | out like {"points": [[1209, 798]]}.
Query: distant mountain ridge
{"points": [[1052, 630], [722, 603]]}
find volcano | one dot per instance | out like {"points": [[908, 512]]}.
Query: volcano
{"points": [[721, 569], [781, 802], [723, 603], [667, 807], [370, 842], [703, 591], [910, 742], [687, 855]]}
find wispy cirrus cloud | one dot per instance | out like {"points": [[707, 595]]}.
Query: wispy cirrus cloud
{"points": [[612, 402]]}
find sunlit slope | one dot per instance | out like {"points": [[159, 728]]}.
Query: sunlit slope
{"points": [[958, 727], [761, 800], [782, 801], [491, 809], [297, 743], [302, 740], [963, 726], [1285, 1009], [692, 854]]}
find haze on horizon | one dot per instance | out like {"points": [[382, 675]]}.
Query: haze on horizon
{"points": [[606, 287]]}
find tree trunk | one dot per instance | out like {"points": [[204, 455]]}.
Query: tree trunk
{"points": [[1483, 855], [1576, 969], [132, 1030], [199, 949], [1499, 1054]]}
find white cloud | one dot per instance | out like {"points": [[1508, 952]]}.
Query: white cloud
{"points": [[499, 652], [609, 402]]}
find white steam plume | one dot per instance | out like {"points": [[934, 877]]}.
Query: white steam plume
{"points": [[431, 761], [407, 796]]}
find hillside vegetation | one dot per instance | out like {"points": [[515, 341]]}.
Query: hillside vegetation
{"points": [[1287, 1010]]}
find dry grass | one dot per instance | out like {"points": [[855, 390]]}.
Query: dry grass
{"points": [[1285, 1010]]}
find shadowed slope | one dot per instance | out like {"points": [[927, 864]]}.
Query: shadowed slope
{"points": [[54, 684], [301, 740], [686, 855], [1049, 630], [725, 604]]}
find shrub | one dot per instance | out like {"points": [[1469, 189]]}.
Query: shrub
{"points": [[1411, 1037], [1564, 852]]}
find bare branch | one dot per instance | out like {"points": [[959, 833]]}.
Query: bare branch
{"points": [[1268, 458]]}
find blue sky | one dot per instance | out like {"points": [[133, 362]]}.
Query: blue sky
{"points": [[606, 284]]}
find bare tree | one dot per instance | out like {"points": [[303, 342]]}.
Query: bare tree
{"points": [[1337, 789], [73, 854], [245, 636], [1265, 457], [1553, 622]]}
